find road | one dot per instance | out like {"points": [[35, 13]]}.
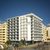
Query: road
{"points": [[37, 46], [45, 46]]}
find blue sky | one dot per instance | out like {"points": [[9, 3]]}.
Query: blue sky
{"points": [[11, 8]]}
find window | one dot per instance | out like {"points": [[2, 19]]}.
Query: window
{"points": [[46, 33], [17, 17], [3, 36], [17, 37], [14, 18], [3, 39]]}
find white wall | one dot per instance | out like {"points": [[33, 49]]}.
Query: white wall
{"points": [[29, 28]]}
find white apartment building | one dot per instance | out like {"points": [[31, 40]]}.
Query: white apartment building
{"points": [[28, 27]]}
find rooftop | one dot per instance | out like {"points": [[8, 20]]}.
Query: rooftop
{"points": [[27, 15]]}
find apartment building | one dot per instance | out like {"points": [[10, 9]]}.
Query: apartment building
{"points": [[3, 33], [44, 31], [48, 33], [28, 27]]}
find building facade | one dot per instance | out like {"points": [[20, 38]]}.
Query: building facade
{"points": [[3, 33], [44, 31], [28, 27], [48, 33]]}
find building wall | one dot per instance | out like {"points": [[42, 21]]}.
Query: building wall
{"points": [[48, 28], [44, 30], [48, 34], [3, 33], [25, 28], [29, 28], [13, 29], [37, 29]]}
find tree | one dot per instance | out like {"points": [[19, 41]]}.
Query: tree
{"points": [[8, 42], [22, 42], [6, 45]]}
